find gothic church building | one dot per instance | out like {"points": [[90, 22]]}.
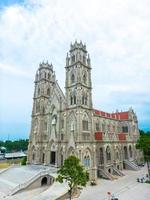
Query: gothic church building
{"points": [[64, 125]]}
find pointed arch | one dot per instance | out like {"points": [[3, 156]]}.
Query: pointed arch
{"points": [[37, 106], [72, 78], [48, 91], [125, 152], [84, 77], [87, 158], [71, 151], [85, 122], [73, 98], [39, 91], [33, 153], [117, 154], [49, 75], [101, 156], [72, 121], [84, 98], [108, 153], [130, 151]]}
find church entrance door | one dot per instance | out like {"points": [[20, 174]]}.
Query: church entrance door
{"points": [[53, 157]]}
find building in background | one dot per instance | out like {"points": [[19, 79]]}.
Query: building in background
{"points": [[64, 125]]}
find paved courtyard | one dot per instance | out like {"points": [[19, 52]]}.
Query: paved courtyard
{"points": [[124, 188]]}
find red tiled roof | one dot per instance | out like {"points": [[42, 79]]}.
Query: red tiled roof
{"points": [[98, 136], [121, 136], [117, 115]]}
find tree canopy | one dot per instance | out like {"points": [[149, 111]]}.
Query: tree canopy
{"points": [[144, 144], [73, 172], [16, 145]]}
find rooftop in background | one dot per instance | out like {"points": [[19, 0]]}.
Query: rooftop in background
{"points": [[15, 155]]}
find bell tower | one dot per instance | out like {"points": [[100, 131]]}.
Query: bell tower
{"points": [[44, 84], [78, 77], [78, 93]]}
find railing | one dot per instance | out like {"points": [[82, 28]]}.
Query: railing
{"points": [[27, 183], [106, 174], [118, 172], [131, 164]]}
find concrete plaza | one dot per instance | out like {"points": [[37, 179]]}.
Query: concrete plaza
{"points": [[124, 188]]}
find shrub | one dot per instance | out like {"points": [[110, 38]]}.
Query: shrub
{"points": [[24, 160]]}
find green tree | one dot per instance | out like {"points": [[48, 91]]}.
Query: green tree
{"points": [[24, 160], [144, 144], [74, 173], [16, 145]]}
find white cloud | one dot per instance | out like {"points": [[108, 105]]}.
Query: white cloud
{"points": [[116, 33], [8, 69]]}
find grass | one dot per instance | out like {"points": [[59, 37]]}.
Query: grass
{"points": [[6, 163]]}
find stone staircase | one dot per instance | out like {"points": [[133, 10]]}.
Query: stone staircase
{"points": [[131, 165], [117, 172], [106, 174]]}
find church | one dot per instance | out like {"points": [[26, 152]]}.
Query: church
{"points": [[67, 124]]}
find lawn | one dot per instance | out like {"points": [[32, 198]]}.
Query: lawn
{"points": [[6, 163]]}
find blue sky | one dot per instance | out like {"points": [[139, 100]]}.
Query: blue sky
{"points": [[4, 3], [117, 37]]}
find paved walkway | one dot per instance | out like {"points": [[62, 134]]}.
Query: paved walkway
{"points": [[124, 188]]}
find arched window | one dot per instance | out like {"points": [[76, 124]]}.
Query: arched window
{"points": [[43, 109], [85, 122], [97, 126], [108, 127], [117, 155], [103, 127], [37, 107], [44, 74], [38, 91], [48, 75], [84, 59], [83, 99], [101, 156], [130, 151], [84, 79], [71, 100], [85, 125], [48, 91], [125, 152], [43, 157], [45, 126], [86, 161], [73, 58], [72, 78], [108, 153], [74, 99]]}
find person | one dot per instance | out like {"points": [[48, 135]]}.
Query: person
{"points": [[114, 198]]}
